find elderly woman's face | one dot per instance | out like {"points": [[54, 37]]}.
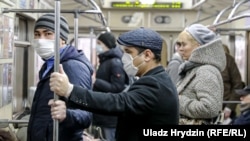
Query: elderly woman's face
{"points": [[186, 45]]}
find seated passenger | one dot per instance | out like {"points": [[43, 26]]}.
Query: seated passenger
{"points": [[244, 117], [245, 99]]}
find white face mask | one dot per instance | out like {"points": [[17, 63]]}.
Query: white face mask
{"points": [[99, 49], [128, 64], [44, 48]]}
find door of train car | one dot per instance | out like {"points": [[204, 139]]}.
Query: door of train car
{"points": [[24, 64]]}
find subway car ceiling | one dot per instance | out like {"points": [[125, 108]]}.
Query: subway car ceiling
{"points": [[123, 15], [162, 15]]}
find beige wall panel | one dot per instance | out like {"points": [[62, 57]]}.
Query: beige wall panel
{"points": [[115, 19], [173, 20]]}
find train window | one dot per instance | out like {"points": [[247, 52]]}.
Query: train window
{"points": [[23, 34], [5, 84], [20, 29], [6, 50], [6, 36], [87, 44], [240, 55]]}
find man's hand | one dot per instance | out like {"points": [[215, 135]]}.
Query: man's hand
{"points": [[7, 136], [58, 109], [227, 112], [59, 83]]}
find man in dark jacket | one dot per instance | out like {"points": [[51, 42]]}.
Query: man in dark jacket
{"points": [[110, 77], [72, 121], [151, 101], [244, 117]]}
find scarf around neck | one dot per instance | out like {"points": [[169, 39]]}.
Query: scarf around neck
{"points": [[187, 66]]}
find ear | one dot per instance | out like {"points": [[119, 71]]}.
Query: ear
{"points": [[149, 55], [62, 42]]}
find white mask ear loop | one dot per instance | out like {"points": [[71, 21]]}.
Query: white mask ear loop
{"points": [[135, 58], [140, 64]]}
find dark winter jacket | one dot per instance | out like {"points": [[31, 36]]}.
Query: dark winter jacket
{"points": [[151, 101], [243, 118], [110, 77], [40, 128], [232, 80]]}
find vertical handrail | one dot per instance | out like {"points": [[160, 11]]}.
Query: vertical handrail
{"points": [[91, 43], [76, 28], [57, 58]]}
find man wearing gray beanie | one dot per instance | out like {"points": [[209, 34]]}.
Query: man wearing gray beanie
{"points": [[72, 121], [48, 21]]}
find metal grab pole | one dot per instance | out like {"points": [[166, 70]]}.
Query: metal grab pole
{"points": [[104, 22], [76, 28], [231, 102], [57, 59], [220, 14], [230, 20], [236, 7], [7, 10]]}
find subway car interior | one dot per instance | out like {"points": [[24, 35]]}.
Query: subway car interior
{"points": [[19, 64]]}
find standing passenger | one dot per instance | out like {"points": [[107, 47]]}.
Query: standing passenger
{"points": [[173, 65], [232, 80], [110, 77], [152, 100], [72, 121], [201, 86]]}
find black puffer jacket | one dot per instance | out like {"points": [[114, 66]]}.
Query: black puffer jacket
{"points": [[110, 77]]}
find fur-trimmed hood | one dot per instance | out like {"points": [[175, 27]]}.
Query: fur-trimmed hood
{"points": [[211, 53]]}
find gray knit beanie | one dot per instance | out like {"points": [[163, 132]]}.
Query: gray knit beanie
{"points": [[201, 33], [48, 21]]}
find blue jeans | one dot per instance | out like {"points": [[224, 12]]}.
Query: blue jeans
{"points": [[109, 133]]}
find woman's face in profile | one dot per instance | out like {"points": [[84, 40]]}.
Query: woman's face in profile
{"points": [[186, 45]]}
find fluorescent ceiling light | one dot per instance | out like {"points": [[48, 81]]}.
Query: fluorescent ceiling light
{"points": [[147, 1]]}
